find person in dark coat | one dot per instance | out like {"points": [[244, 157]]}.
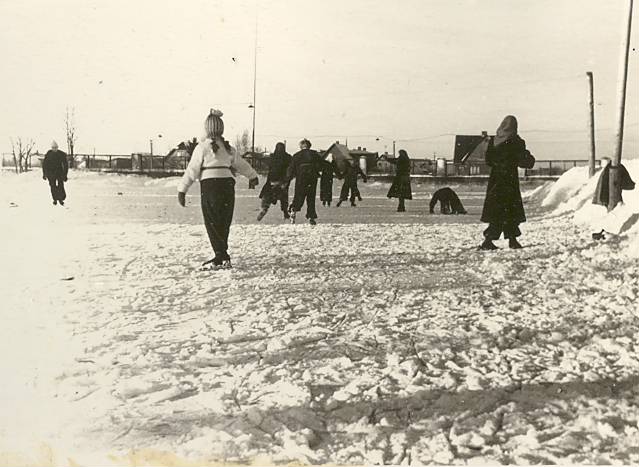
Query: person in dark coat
{"points": [[350, 183], [449, 202], [276, 187], [503, 207], [326, 182], [55, 168], [401, 183], [306, 167]]}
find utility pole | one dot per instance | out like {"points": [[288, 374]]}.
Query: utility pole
{"points": [[615, 178], [254, 86], [591, 104], [151, 157], [393, 148]]}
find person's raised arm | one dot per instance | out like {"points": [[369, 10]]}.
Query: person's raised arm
{"points": [[192, 173]]}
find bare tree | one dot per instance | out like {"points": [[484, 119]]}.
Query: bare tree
{"points": [[21, 151], [69, 122], [243, 143]]}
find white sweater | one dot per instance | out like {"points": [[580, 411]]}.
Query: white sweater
{"points": [[206, 164]]}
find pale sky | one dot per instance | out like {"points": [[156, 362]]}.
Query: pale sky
{"points": [[409, 70]]}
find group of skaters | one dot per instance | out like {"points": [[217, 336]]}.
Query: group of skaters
{"points": [[307, 167], [215, 163]]}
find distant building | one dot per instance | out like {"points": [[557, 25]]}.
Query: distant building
{"points": [[367, 160], [470, 154]]}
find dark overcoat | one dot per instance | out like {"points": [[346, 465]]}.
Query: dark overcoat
{"points": [[400, 187], [276, 185], [503, 204], [55, 165]]}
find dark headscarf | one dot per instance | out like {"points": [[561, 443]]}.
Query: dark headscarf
{"points": [[506, 130], [280, 149], [403, 154]]}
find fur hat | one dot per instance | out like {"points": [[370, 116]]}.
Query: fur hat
{"points": [[213, 125]]}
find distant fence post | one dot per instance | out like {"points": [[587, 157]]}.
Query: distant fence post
{"points": [[550, 168]]}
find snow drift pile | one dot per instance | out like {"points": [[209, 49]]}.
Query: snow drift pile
{"points": [[573, 194]]}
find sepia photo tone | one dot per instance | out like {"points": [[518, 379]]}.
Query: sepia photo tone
{"points": [[276, 232]]}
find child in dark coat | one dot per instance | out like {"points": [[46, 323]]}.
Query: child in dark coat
{"points": [[276, 187], [350, 183], [449, 202], [306, 167], [401, 182]]}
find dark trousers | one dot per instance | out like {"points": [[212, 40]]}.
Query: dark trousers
{"points": [[281, 196], [218, 202], [350, 185], [494, 231], [57, 189], [305, 190]]}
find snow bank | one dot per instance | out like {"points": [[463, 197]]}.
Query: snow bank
{"points": [[573, 193]]}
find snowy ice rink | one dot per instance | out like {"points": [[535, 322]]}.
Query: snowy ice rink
{"points": [[374, 337]]}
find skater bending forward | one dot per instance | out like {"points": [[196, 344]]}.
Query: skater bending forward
{"points": [[503, 207], [214, 162], [449, 202]]}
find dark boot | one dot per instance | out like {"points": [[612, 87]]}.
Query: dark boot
{"points": [[338, 203], [514, 244], [488, 245]]}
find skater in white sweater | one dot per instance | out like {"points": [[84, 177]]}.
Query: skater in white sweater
{"points": [[214, 162]]}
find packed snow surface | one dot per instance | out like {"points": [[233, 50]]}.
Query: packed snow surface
{"points": [[374, 337]]}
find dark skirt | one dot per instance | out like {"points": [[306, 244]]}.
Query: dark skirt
{"points": [[273, 193], [400, 188]]}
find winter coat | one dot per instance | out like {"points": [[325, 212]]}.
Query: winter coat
{"points": [[205, 164], [400, 187], [326, 184], [503, 204], [449, 202], [602, 192], [276, 181], [350, 182], [306, 164], [55, 165]]}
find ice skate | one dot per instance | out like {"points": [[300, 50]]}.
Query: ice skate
{"points": [[514, 244], [261, 215], [338, 203], [61, 203], [353, 204], [286, 215], [488, 245], [312, 221], [212, 265], [55, 201]]}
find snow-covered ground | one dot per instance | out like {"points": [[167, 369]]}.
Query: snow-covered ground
{"points": [[371, 338]]}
